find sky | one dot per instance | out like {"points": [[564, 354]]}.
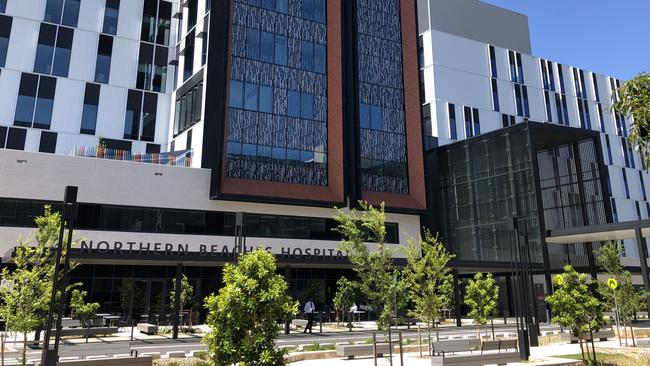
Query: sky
{"points": [[610, 37]]}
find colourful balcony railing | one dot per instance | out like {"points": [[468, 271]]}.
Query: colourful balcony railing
{"points": [[176, 158]]}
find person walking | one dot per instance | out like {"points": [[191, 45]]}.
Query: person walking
{"points": [[309, 311]]}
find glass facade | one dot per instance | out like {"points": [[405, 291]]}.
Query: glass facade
{"points": [[482, 183], [277, 115], [381, 97]]}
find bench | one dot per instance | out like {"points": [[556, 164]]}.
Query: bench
{"points": [[147, 328], [94, 349], [70, 323], [295, 323], [71, 332], [601, 335], [491, 352], [361, 350], [129, 361]]}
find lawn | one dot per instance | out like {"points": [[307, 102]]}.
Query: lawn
{"points": [[618, 359]]}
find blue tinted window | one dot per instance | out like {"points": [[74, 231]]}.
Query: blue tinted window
{"points": [[307, 55], [280, 50], [44, 102], [319, 10], [3, 6], [236, 94], [111, 14], [293, 154], [294, 104], [320, 58], [5, 33], [103, 65], [71, 13], [267, 47], [266, 99], [89, 119], [43, 60], [307, 9], [281, 6], [133, 114], [234, 148], [24, 110], [307, 106], [248, 149], [452, 122], [53, 10], [279, 153], [62, 52], [364, 116], [253, 43], [375, 115], [265, 151], [250, 96]]}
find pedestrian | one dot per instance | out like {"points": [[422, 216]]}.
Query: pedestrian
{"points": [[309, 311]]}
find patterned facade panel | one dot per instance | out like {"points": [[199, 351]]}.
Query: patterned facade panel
{"points": [[381, 97], [278, 94]]}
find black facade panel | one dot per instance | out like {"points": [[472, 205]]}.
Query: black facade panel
{"points": [[48, 142], [16, 138]]}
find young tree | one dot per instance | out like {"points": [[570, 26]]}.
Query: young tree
{"points": [[427, 277], [244, 316], [574, 306], [634, 101], [25, 301], [373, 263], [82, 310], [482, 297], [187, 296], [344, 298]]}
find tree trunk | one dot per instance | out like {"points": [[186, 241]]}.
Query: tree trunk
{"points": [[478, 331], [625, 331], [593, 346], [632, 331], [582, 351], [24, 356], [492, 324]]}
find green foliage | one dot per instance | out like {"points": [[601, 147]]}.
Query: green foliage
{"points": [[574, 306], [127, 287], [26, 295], [427, 277], [187, 293], [373, 263], [80, 309], [344, 298], [634, 101], [244, 316], [482, 297]]}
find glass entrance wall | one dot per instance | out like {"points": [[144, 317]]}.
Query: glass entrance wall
{"points": [[483, 182]]}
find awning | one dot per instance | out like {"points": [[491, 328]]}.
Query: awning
{"points": [[603, 232]]}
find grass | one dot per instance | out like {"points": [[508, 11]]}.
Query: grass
{"points": [[318, 347], [615, 359]]}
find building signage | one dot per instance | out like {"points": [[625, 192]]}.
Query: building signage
{"points": [[202, 250]]}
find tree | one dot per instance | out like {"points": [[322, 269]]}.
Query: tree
{"points": [[633, 100], [82, 310], [482, 297], [574, 306], [372, 263], [344, 298], [26, 298], [428, 277], [187, 296], [244, 315]]}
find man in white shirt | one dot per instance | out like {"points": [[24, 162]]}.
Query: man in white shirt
{"points": [[310, 308]]}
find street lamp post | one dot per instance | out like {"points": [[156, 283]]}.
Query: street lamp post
{"points": [[50, 356], [520, 303]]}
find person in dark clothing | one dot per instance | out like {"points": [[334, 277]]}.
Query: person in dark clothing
{"points": [[309, 311]]}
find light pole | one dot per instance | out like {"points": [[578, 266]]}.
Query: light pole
{"points": [[50, 356], [520, 303]]}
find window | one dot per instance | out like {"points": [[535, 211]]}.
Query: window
{"points": [[3, 136], [89, 113], [313, 10], [594, 78], [160, 69], [189, 105], [149, 107], [558, 106], [627, 188], [601, 120], [53, 50], [188, 66], [614, 211], [281, 50], [236, 95], [642, 186], [132, 116], [520, 69], [452, 121], [163, 31], [111, 14], [547, 102], [5, 33], [191, 14], [507, 120], [493, 62], [560, 75], [149, 12], [35, 101], [609, 150], [3, 8], [472, 123], [518, 100], [267, 47], [495, 95], [145, 66], [48, 142], [104, 53], [16, 138], [64, 12], [524, 90]]}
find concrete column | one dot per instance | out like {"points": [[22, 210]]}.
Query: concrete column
{"points": [[643, 261]]}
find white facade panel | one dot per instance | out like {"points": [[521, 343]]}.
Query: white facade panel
{"points": [[462, 88], [111, 112], [68, 104], [32, 140], [65, 142], [22, 45], [124, 65], [467, 55], [129, 22], [9, 83], [30, 9], [91, 15], [162, 119], [84, 56]]}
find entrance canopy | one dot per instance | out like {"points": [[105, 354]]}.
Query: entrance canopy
{"points": [[602, 232]]}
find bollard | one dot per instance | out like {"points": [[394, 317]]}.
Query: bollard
{"points": [[374, 347], [287, 327], [420, 340], [321, 322]]}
